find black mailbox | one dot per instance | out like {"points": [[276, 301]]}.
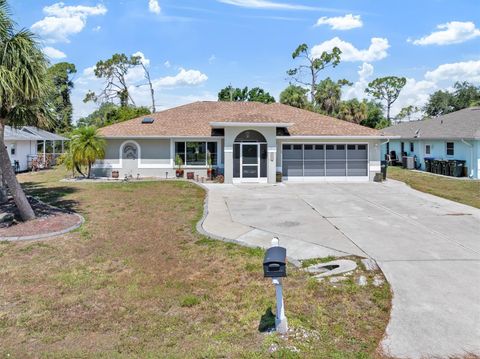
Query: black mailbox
{"points": [[275, 262]]}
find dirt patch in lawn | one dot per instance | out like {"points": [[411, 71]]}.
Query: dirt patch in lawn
{"points": [[137, 280], [48, 219]]}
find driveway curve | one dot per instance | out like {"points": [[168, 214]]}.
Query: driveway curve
{"points": [[428, 248]]}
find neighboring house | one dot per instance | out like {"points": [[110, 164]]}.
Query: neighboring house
{"points": [[28, 144], [448, 137], [248, 142]]}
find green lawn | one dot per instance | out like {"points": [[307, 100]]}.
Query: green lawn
{"points": [[463, 191], [137, 281]]}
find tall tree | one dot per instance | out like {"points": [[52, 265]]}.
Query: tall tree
{"points": [[386, 89], [295, 96], [23, 94], [146, 72], [114, 70], [328, 95], [307, 72], [62, 85], [256, 94]]}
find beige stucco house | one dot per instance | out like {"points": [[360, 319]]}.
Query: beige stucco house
{"points": [[247, 142]]}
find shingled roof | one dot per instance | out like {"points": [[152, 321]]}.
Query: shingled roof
{"points": [[456, 125], [195, 120]]}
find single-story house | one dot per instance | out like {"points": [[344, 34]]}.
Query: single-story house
{"points": [[28, 144], [448, 137], [247, 142]]}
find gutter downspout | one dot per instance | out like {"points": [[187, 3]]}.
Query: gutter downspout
{"points": [[384, 143], [471, 157]]}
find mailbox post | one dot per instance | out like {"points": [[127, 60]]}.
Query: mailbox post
{"points": [[274, 266]]}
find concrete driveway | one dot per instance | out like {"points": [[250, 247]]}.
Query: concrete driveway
{"points": [[428, 248]]}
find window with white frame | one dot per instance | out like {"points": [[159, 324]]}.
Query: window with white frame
{"points": [[428, 149], [194, 153], [13, 149], [450, 149]]}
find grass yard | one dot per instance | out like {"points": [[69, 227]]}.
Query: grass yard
{"points": [[462, 191], [138, 281]]}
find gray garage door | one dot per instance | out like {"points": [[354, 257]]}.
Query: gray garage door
{"points": [[324, 160]]}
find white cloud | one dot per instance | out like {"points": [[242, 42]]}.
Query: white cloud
{"points": [[153, 6], [212, 59], [183, 78], [357, 90], [376, 51], [143, 59], [453, 32], [265, 4], [54, 53], [97, 28], [167, 64], [63, 21], [415, 93], [346, 22], [459, 71]]}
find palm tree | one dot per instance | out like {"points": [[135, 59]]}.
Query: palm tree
{"points": [[86, 147], [23, 90]]}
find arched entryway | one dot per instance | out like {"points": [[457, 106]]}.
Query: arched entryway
{"points": [[130, 152], [250, 157]]}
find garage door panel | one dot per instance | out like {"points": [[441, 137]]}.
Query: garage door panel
{"points": [[336, 168], [357, 168], [314, 168], [292, 168]]}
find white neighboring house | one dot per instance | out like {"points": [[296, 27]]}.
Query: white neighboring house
{"points": [[26, 144]]}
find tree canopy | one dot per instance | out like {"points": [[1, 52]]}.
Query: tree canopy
{"points": [[109, 113], [295, 96], [328, 95], [442, 102], [62, 85], [256, 94]]}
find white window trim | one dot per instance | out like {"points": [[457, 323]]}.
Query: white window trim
{"points": [[429, 152], [446, 149], [185, 165]]}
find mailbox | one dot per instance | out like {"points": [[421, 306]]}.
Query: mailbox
{"points": [[275, 262]]}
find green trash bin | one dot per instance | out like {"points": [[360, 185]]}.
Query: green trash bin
{"points": [[384, 166], [458, 168], [428, 164]]}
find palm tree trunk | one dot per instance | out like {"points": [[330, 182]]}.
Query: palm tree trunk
{"points": [[89, 169], [26, 211]]}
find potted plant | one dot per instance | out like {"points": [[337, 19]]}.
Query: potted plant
{"points": [[179, 164], [209, 165]]}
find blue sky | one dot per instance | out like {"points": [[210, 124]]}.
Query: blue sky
{"points": [[196, 47]]}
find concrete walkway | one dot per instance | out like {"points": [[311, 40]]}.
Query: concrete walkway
{"points": [[428, 248]]}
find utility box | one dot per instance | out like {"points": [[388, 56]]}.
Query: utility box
{"points": [[275, 262]]}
